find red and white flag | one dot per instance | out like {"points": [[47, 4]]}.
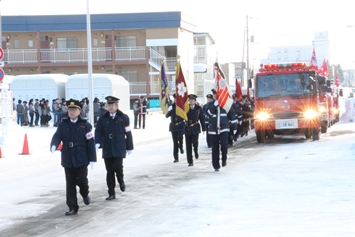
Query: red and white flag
{"points": [[182, 103], [224, 99], [313, 63], [324, 69], [337, 81], [238, 90]]}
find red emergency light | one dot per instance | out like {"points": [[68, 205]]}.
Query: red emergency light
{"points": [[283, 66]]}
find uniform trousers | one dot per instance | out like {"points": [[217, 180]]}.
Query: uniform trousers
{"points": [[73, 177], [113, 166], [142, 120], [191, 140], [208, 136], [178, 143], [219, 142]]}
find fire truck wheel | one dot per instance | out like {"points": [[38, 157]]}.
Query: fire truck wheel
{"points": [[307, 133], [316, 135], [260, 136], [323, 129]]}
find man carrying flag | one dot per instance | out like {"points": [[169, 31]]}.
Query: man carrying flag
{"points": [[221, 117], [164, 89]]}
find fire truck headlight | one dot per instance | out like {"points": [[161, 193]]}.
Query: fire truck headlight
{"points": [[322, 109], [262, 116], [310, 114], [335, 110]]}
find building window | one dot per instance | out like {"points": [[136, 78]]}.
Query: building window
{"points": [[285, 50], [279, 50], [285, 57], [298, 57], [16, 44], [200, 41], [279, 57], [66, 43], [126, 41], [95, 42], [131, 76], [30, 43], [298, 49]]}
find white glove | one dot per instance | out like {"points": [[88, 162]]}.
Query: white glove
{"points": [[235, 131], [53, 149], [170, 108], [92, 164], [97, 146], [129, 152], [215, 103]]}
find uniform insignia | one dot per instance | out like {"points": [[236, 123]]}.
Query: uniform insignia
{"points": [[128, 129], [89, 135]]}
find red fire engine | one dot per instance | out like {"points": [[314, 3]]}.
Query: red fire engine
{"points": [[286, 101], [325, 104]]}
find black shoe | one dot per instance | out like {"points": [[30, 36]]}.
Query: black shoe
{"points": [[216, 170], [224, 163], [123, 187], [71, 212], [196, 155], [208, 146], [176, 161], [191, 164], [87, 200], [181, 150], [111, 197]]}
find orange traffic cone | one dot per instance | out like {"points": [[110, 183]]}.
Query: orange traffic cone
{"points": [[59, 147], [25, 150]]}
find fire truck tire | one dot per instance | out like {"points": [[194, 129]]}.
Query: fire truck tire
{"points": [[316, 135], [323, 129], [260, 136], [307, 133]]}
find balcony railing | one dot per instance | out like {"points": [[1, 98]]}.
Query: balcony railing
{"points": [[72, 55], [139, 88]]}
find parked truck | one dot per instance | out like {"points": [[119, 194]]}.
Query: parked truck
{"points": [[286, 101]]}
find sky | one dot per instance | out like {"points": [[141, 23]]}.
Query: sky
{"points": [[273, 23]]}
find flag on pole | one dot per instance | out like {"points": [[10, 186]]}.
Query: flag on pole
{"points": [[182, 104], [238, 90], [324, 69], [164, 89], [224, 99], [248, 93], [313, 63], [337, 81]]}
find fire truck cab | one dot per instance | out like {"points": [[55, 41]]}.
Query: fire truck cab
{"points": [[286, 101]]}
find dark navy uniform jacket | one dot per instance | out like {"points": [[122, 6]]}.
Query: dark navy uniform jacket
{"points": [[196, 121], [114, 135], [177, 123], [205, 109], [226, 120], [78, 145]]}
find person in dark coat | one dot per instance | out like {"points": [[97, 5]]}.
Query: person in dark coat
{"points": [[102, 110], [143, 111], [113, 135], [78, 151], [136, 111], [210, 101], [176, 127], [193, 126], [219, 123]]}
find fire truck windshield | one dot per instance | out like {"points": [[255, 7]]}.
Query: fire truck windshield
{"points": [[301, 84]]}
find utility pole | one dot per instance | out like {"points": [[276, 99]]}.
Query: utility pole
{"points": [[248, 73]]}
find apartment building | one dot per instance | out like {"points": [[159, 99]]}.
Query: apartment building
{"points": [[131, 45]]}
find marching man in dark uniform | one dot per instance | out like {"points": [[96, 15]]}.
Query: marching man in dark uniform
{"points": [[78, 150], [218, 127], [143, 111], [176, 127], [210, 101], [113, 134], [193, 128]]}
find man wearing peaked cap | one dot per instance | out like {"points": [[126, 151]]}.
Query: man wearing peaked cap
{"points": [[114, 135], [74, 104], [78, 151], [205, 108], [111, 99], [192, 96]]}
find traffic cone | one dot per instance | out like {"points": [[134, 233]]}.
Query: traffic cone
{"points": [[59, 147], [25, 150]]}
